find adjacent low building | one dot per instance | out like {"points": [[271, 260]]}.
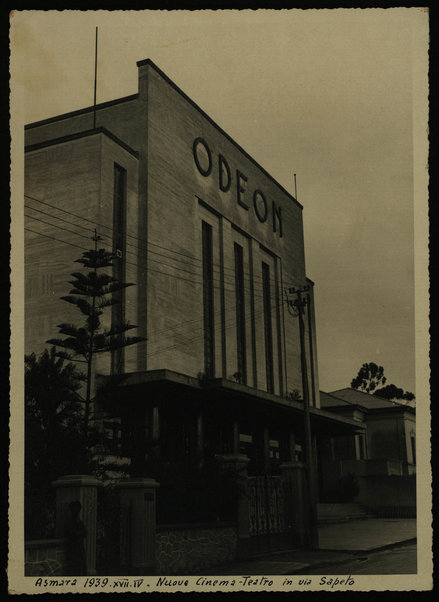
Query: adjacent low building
{"points": [[381, 460]]}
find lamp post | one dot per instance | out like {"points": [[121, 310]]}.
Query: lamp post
{"points": [[298, 305]]}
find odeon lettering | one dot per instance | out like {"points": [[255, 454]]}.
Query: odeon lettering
{"points": [[204, 160]]}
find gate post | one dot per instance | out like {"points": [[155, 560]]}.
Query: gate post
{"points": [[238, 463], [295, 511], [82, 489], [137, 525]]}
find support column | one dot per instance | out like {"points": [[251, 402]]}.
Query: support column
{"points": [[137, 525], [200, 441], [155, 424], [266, 450], [82, 489], [236, 437], [152, 440], [138, 425]]}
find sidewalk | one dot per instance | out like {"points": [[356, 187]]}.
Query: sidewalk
{"points": [[339, 543], [366, 535]]}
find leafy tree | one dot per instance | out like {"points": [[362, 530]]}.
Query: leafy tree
{"points": [[393, 392], [92, 293], [53, 423], [369, 377]]}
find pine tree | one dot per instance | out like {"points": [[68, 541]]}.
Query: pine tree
{"points": [[92, 293]]}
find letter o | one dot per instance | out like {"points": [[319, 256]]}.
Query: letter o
{"points": [[262, 217], [204, 172]]}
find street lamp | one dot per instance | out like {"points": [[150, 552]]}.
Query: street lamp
{"points": [[298, 305]]}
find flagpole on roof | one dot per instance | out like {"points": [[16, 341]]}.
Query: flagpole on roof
{"points": [[96, 78]]}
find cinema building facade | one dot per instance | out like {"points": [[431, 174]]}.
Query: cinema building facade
{"points": [[214, 246]]}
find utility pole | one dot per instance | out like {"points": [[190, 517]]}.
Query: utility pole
{"points": [[297, 305]]}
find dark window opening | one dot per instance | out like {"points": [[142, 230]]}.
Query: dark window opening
{"points": [[119, 235], [113, 436], [413, 442], [298, 453], [268, 331], [249, 445], [240, 314], [362, 447], [209, 340]]}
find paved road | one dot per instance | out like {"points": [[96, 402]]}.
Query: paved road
{"points": [[394, 561]]}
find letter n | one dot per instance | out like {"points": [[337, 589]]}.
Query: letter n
{"points": [[277, 214]]}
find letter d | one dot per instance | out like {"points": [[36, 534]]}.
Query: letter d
{"points": [[224, 170]]}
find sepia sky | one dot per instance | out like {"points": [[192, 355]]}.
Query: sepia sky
{"points": [[325, 94]]}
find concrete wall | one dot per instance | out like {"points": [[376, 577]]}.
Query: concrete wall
{"points": [[388, 436], [179, 549], [184, 550], [117, 116], [388, 495], [44, 557], [69, 188], [382, 483], [179, 197], [65, 176]]}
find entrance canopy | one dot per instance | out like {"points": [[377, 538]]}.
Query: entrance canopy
{"points": [[165, 387]]}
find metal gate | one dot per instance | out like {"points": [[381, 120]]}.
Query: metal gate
{"points": [[266, 505]]}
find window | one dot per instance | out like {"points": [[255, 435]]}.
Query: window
{"points": [[298, 452], [249, 445], [268, 333], [240, 314], [113, 436], [209, 340], [119, 235], [413, 443], [245, 444], [361, 447], [274, 454]]}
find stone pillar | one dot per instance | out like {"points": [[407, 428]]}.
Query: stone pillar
{"points": [[296, 515], [238, 463], [84, 489], [137, 525]]}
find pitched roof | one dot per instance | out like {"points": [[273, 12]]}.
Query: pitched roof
{"points": [[371, 402], [327, 400]]}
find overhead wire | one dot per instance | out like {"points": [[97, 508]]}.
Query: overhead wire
{"points": [[144, 241], [219, 282], [217, 329], [229, 323], [170, 328]]}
